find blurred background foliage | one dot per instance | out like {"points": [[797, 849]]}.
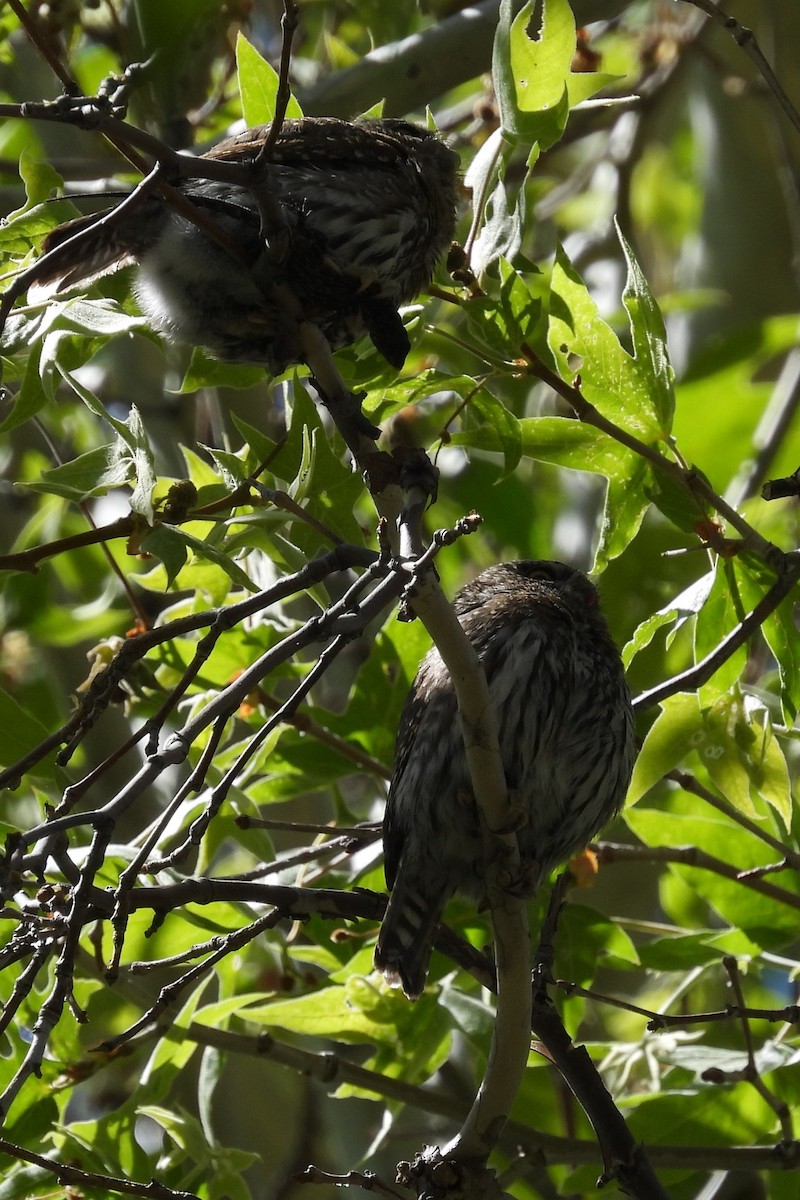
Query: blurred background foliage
{"points": [[700, 170]]}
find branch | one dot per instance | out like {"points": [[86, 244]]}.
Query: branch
{"points": [[367, 1180], [688, 478], [414, 71], [40, 42], [289, 22], [65, 1174], [550, 1149], [791, 858], [751, 1073], [103, 687], [511, 1036], [693, 677], [746, 40], [625, 1160], [690, 856]]}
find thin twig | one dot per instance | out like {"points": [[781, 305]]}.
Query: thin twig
{"points": [[43, 46], [693, 482], [103, 687], [691, 856], [66, 1174], [790, 857], [289, 22], [751, 1073], [772, 429], [692, 678], [367, 1180], [746, 40]]}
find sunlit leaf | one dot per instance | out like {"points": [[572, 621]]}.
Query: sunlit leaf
{"points": [[258, 85]]}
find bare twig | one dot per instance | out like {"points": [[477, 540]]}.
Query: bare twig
{"points": [[788, 1015], [772, 429], [173, 991], [332, 1070], [624, 1159], [790, 857], [217, 620], [701, 672], [65, 1174], [690, 480], [367, 1180], [289, 22], [745, 38], [691, 856], [43, 46], [751, 1073]]}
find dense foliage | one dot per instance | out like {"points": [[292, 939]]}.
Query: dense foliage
{"points": [[191, 882]]}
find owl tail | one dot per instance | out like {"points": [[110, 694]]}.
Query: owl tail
{"points": [[405, 940], [93, 255]]}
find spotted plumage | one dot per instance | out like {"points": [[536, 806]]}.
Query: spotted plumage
{"points": [[366, 210]]}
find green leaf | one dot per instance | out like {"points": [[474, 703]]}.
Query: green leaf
{"points": [[769, 770], [703, 893], [675, 731], [723, 754], [743, 757], [260, 445], [419, 1038], [100, 318], [502, 227], [644, 634], [573, 444], [144, 467], [779, 630], [625, 508], [40, 179], [581, 85], [167, 545], [582, 343], [570, 443], [685, 952], [258, 85], [489, 333], [716, 1116], [504, 424], [686, 605], [521, 307], [679, 504], [587, 940], [232, 467], [32, 396], [532, 73], [649, 338], [719, 615], [540, 68], [20, 730], [502, 75], [91, 474], [354, 1013], [133, 439], [205, 371], [204, 549]]}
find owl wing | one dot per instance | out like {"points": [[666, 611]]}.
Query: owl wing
{"points": [[396, 816]]}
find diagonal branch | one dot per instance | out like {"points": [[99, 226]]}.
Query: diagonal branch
{"points": [[746, 40]]}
